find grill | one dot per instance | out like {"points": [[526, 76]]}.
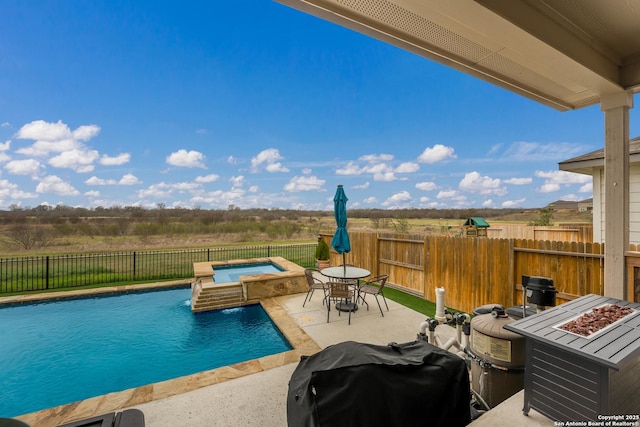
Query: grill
{"points": [[573, 378]]}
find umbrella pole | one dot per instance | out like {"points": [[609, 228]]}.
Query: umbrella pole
{"points": [[344, 263]]}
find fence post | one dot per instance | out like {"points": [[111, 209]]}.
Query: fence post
{"points": [[268, 251], [46, 280], [208, 254], [134, 265]]}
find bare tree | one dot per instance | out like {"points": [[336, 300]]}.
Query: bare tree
{"points": [[30, 236]]}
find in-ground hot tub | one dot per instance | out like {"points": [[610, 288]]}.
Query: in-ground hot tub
{"points": [[289, 280]]}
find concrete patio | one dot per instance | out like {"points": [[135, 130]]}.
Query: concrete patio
{"points": [[260, 399], [253, 393]]}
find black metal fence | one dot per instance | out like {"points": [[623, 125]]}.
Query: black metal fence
{"points": [[69, 271]]}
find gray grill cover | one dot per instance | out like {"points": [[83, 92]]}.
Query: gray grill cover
{"points": [[356, 384]]}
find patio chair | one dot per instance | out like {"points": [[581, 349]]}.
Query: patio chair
{"points": [[314, 284], [374, 287], [339, 291]]}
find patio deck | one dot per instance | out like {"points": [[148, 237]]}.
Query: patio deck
{"points": [[260, 399], [254, 393]]}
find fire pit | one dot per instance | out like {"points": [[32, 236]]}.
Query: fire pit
{"points": [[582, 359], [597, 321]]}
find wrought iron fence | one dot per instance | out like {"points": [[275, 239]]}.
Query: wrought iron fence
{"points": [[25, 274]]}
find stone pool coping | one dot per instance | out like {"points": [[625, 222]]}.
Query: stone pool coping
{"points": [[302, 345]]}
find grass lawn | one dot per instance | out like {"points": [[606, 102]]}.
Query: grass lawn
{"points": [[413, 302]]}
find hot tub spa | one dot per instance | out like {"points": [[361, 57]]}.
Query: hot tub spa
{"points": [[287, 278]]}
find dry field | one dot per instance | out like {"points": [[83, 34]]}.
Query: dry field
{"points": [[307, 230]]}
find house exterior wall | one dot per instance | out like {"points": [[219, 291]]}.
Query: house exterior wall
{"points": [[634, 204], [598, 205]]}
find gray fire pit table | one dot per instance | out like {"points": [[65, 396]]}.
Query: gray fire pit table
{"points": [[573, 378]]}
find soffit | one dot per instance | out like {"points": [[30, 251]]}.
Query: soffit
{"points": [[563, 53]]}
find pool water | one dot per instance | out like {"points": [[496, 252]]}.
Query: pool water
{"points": [[67, 350], [233, 273]]}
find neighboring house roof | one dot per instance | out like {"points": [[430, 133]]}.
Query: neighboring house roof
{"points": [[477, 222], [564, 205], [584, 163]]}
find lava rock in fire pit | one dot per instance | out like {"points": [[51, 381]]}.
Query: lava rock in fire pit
{"points": [[599, 318]]}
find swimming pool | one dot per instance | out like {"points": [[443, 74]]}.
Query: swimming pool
{"points": [[63, 351], [228, 274]]}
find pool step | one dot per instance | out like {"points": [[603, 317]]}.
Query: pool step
{"points": [[214, 297]]}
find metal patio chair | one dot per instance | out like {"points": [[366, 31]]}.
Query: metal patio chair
{"points": [[340, 291], [374, 287], [315, 284]]}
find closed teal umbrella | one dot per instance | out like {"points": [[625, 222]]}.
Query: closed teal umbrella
{"points": [[340, 241]]}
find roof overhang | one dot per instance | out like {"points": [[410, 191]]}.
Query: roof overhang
{"points": [[563, 54]]}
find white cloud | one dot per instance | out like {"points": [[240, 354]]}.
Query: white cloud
{"points": [[512, 203], [535, 151], [4, 146], [129, 179], [269, 159], [276, 167], [254, 189], [426, 186], [555, 179], [304, 183], [408, 167], [120, 159], [549, 188], [92, 193], [475, 183], [351, 168], [29, 167], [4, 157], [56, 138], [384, 176], [5, 125], [186, 159], [362, 186], [518, 181], [447, 194], [376, 168], [587, 188], [232, 160], [436, 153], [563, 177], [54, 184], [370, 200], [94, 180], [156, 191], [44, 148], [185, 187], [400, 198], [10, 194], [306, 171], [86, 132], [375, 158], [78, 160], [207, 178], [237, 181], [40, 130], [487, 203]]}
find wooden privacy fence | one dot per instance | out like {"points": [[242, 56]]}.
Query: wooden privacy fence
{"points": [[476, 271], [564, 233]]}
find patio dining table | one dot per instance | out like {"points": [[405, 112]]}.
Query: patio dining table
{"points": [[348, 273]]}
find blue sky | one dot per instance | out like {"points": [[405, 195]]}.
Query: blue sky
{"points": [[252, 104]]}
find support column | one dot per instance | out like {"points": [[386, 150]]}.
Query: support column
{"points": [[616, 192]]}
